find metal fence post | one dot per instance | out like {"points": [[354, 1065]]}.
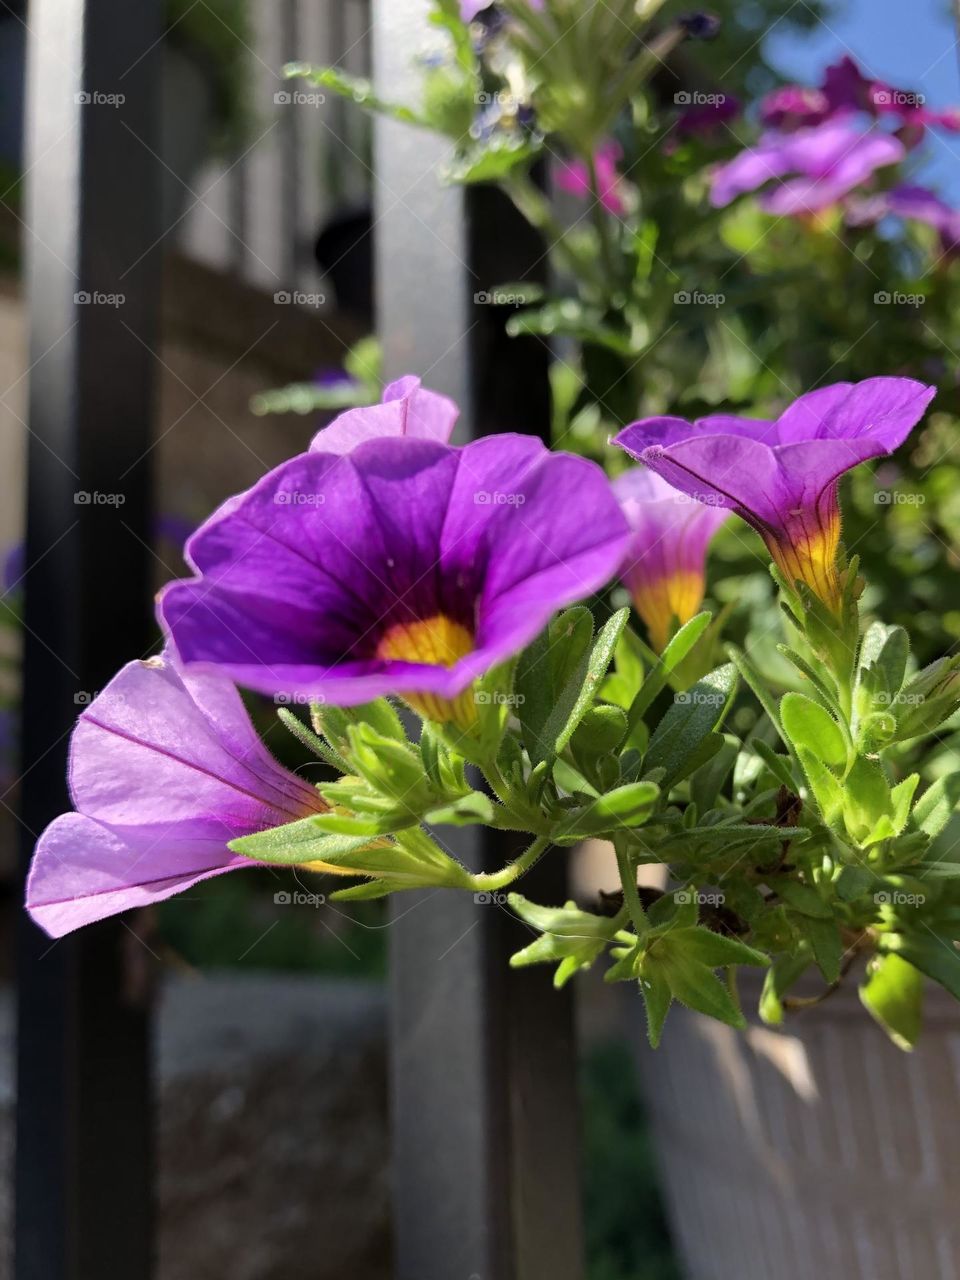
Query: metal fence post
{"points": [[91, 235], [483, 1058]]}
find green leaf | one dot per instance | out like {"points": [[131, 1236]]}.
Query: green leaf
{"points": [[937, 805], [698, 987], [786, 970], [569, 936], [780, 766], [628, 806], [758, 684], [468, 811], [356, 88], [801, 897], [826, 943], [679, 648], [810, 727], [550, 676], [694, 715], [623, 685], [490, 160], [717, 950], [893, 995], [707, 782], [600, 658], [866, 797], [656, 1000], [826, 789], [296, 842], [559, 676], [853, 882], [901, 798], [886, 649], [932, 954]]}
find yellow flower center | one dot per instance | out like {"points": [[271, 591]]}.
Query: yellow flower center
{"points": [[661, 600], [813, 560], [432, 642]]}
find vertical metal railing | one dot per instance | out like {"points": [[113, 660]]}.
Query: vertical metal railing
{"points": [[483, 1059], [83, 1160]]}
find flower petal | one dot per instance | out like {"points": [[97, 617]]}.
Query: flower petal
{"points": [[83, 870], [407, 409]]}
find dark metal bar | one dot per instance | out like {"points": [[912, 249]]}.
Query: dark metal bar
{"points": [[483, 1058], [83, 1161]]}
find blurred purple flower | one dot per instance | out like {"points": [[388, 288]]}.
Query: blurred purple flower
{"points": [[703, 119], [406, 566], [470, 8], [14, 566], [574, 176], [165, 769], [781, 477], [845, 89], [664, 568], [826, 162]]}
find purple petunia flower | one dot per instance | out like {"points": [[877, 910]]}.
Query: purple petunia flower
{"points": [[781, 477], [828, 160], [405, 567], [845, 90], [470, 8], [407, 409], [165, 769], [574, 176], [916, 204], [664, 568]]}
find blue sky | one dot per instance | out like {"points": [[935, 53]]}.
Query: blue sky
{"points": [[912, 45]]}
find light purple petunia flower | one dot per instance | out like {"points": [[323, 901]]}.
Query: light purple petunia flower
{"points": [[781, 476], [407, 409], [827, 162], [664, 568], [405, 567], [574, 176], [165, 769], [915, 204]]}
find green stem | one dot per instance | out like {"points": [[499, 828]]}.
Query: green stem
{"points": [[631, 895], [492, 881], [535, 207]]}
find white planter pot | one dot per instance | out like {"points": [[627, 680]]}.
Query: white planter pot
{"points": [[817, 1152]]}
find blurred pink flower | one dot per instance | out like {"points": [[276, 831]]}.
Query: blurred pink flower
{"points": [[574, 176]]}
